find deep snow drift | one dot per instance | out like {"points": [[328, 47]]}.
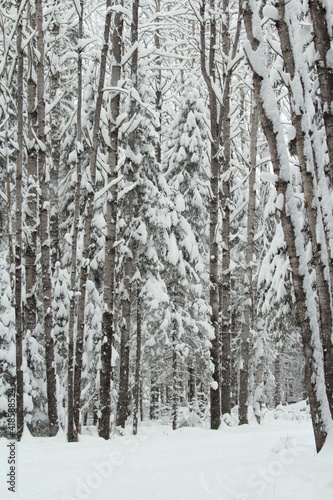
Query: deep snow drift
{"points": [[276, 460]]}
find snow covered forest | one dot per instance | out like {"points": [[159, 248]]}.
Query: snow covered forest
{"points": [[166, 212]]}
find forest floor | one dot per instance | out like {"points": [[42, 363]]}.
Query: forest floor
{"points": [[275, 460]]}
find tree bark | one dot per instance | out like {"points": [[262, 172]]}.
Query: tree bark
{"points": [[18, 240], [137, 383], [44, 229], [208, 72], [312, 206], [279, 159], [323, 39], [248, 306], [30, 308], [122, 408], [55, 149], [225, 299], [175, 382], [108, 320], [71, 429], [88, 222]]}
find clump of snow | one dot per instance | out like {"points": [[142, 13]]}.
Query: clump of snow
{"points": [[270, 12]]}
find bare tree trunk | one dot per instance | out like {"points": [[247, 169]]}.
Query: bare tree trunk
{"points": [[248, 306], [30, 310], [277, 375], [71, 429], [137, 384], [323, 40], [55, 147], [45, 230], [108, 321], [88, 222], [159, 100], [225, 299], [175, 388], [279, 159], [191, 383], [208, 72], [154, 401], [122, 408], [18, 241], [312, 207]]}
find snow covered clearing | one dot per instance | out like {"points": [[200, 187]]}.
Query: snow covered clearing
{"points": [[276, 460]]}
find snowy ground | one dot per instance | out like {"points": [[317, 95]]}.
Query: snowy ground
{"points": [[274, 461]]}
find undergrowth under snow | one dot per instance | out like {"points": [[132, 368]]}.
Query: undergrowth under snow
{"points": [[275, 460]]}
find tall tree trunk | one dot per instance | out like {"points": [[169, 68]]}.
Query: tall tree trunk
{"points": [[154, 400], [248, 306], [323, 39], [175, 381], [88, 222], [279, 157], [45, 229], [30, 309], [71, 429], [312, 206], [18, 241], [122, 408], [191, 383], [137, 382], [55, 149], [277, 375], [158, 80], [208, 72], [108, 320], [225, 301]]}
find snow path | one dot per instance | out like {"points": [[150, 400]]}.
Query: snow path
{"points": [[273, 461]]}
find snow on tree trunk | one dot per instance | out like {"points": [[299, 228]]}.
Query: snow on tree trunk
{"points": [[208, 71], [18, 240], [71, 429], [30, 308], [44, 229], [88, 221], [248, 295], [312, 207], [137, 380], [321, 15], [108, 320], [129, 169], [306, 308]]}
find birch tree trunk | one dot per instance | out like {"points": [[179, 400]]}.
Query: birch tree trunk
{"points": [[158, 80], [44, 229], [126, 303], [175, 377], [323, 39], [312, 206], [268, 113], [229, 52], [248, 306], [108, 320], [88, 222], [55, 149], [71, 429], [30, 309], [208, 72], [137, 383], [18, 240], [225, 309]]}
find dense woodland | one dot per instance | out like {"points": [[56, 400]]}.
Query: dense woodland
{"points": [[166, 211]]}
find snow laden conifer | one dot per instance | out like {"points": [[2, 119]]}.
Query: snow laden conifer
{"points": [[186, 167], [150, 232]]}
